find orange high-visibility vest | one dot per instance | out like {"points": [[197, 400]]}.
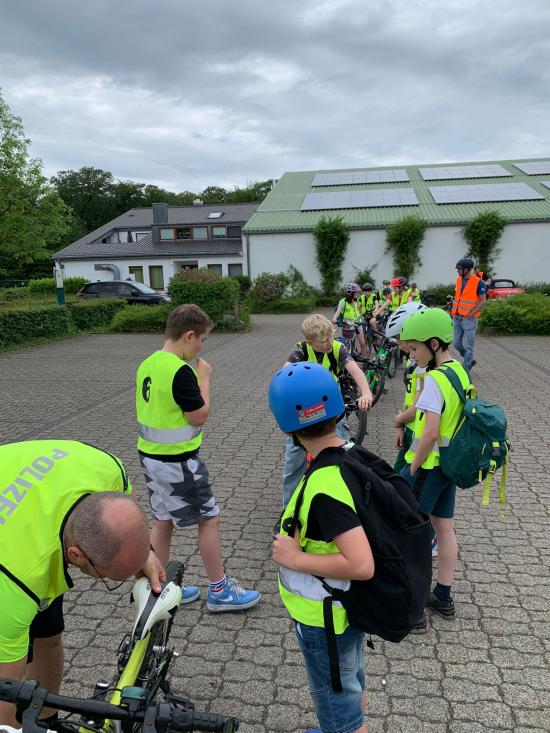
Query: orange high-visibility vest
{"points": [[464, 302]]}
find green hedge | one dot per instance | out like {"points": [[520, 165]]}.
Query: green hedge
{"points": [[525, 314], [141, 319], [436, 294], [22, 326], [536, 287], [284, 305], [327, 301], [9, 295], [216, 298], [47, 285], [95, 313]]}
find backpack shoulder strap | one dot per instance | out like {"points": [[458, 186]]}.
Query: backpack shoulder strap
{"points": [[333, 363], [454, 379]]}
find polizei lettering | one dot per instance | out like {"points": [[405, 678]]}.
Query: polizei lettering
{"points": [[29, 476]]}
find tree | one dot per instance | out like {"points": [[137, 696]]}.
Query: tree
{"points": [[331, 240], [482, 234], [404, 240], [88, 192], [33, 217]]}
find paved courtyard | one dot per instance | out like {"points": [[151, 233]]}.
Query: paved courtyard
{"points": [[484, 672]]}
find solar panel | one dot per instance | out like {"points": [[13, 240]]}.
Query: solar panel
{"points": [[537, 168], [484, 193], [359, 199], [354, 178], [452, 172], [545, 183]]}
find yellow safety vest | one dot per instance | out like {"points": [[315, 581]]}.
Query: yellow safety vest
{"points": [[398, 300], [410, 378], [452, 410], [331, 365], [350, 311], [367, 303], [163, 427], [301, 593]]}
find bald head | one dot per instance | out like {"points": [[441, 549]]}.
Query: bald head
{"points": [[112, 531]]}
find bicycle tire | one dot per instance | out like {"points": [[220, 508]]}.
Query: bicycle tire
{"points": [[377, 380], [357, 419], [393, 360], [159, 638]]}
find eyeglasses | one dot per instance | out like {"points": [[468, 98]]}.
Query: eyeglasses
{"points": [[115, 587]]}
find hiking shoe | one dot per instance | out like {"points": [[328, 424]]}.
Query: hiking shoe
{"points": [[420, 626], [232, 598], [434, 547], [446, 609], [189, 593]]}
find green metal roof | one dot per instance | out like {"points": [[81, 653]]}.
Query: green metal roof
{"points": [[280, 210]]}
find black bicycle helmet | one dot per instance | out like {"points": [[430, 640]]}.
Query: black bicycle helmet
{"points": [[466, 263], [386, 291], [368, 286]]}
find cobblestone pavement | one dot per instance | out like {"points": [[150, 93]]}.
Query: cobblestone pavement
{"points": [[484, 672]]}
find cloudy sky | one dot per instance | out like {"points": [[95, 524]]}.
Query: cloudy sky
{"points": [[188, 94]]}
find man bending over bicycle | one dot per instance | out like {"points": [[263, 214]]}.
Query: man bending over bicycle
{"points": [[65, 503], [321, 348], [349, 309]]}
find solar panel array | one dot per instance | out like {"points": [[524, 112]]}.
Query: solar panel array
{"points": [[452, 172], [484, 193], [351, 178], [359, 199], [537, 168]]}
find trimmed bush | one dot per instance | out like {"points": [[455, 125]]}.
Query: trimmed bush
{"points": [[437, 294], [285, 305], [23, 326], [327, 301], [141, 319], [95, 313], [196, 275], [245, 283], [42, 285], [216, 297], [8, 295], [72, 285], [525, 314], [267, 287]]}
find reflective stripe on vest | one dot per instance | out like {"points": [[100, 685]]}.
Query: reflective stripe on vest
{"points": [[452, 410], [302, 593], [163, 427], [466, 300]]}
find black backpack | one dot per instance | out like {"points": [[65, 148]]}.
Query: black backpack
{"points": [[399, 534]]}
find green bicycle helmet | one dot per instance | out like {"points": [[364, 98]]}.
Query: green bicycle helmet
{"points": [[428, 324]]}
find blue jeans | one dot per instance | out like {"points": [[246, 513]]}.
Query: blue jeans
{"points": [[337, 712], [465, 338], [295, 461]]}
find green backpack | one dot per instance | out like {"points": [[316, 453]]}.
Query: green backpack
{"points": [[478, 446]]}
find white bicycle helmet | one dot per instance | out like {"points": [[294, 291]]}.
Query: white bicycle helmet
{"points": [[398, 318]]}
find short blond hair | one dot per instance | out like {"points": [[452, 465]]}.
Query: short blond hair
{"points": [[317, 327]]}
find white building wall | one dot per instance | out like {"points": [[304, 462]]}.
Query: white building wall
{"points": [[525, 254]]}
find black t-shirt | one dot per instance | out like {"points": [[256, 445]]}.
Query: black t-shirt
{"points": [[329, 517], [185, 390]]}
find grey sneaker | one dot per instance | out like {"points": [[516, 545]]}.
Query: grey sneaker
{"points": [[420, 626], [446, 609]]}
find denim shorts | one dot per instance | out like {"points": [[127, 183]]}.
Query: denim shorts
{"points": [[435, 492], [338, 712]]}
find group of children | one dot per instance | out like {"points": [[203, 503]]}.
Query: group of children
{"points": [[172, 404]]}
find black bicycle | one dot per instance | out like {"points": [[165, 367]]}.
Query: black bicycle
{"points": [[356, 418]]}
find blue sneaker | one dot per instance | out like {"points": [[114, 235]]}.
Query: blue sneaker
{"points": [[232, 598], [189, 593]]}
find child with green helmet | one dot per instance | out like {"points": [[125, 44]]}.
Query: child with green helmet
{"points": [[428, 334]]}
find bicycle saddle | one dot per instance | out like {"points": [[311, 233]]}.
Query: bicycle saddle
{"points": [[152, 607]]}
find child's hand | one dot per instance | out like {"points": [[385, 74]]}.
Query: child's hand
{"points": [[286, 549], [203, 368], [399, 437], [365, 401]]}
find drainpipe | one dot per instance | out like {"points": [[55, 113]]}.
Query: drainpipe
{"points": [[247, 254]]}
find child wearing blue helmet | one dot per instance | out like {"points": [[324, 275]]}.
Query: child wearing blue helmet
{"points": [[328, 541]]}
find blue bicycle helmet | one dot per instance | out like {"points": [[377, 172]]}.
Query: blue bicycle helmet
{"points": [[304, 394]]}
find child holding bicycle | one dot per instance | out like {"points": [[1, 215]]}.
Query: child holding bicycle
{"points": [[172, 405], [321, 347], [349, 309]]}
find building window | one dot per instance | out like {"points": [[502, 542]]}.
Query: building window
{"points": [[137, 273], [215, 215], [184, 233], [233, 232], [218, 232], [235, 269], [156, 277], [200, 232], [167, 233], [141, 235], [216, 268]]}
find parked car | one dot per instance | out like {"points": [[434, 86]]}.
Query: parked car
{"points": [[132, 292], [499, 289]]}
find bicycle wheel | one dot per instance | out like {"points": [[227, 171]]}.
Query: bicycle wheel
{"points": [[376, 379], [154, 668], [392, 362], [356, 419]]}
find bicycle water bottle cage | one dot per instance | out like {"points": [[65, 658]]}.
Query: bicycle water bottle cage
{"points": [[152, 607]]}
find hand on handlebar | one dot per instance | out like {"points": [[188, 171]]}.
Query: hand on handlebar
{"points": [[364, 402]]}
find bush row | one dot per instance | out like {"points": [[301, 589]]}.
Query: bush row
{"points": [[284, 305], [525, 314]]}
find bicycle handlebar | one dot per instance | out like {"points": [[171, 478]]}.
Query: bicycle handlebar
{"points": [[165, 715]]}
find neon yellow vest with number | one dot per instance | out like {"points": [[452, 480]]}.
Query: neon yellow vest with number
{"points": [[350, 311], [303, 594], [452, 410], [398, 300], [42, 480], [163, 427], [411, 379], [336, 346], [367, 303]]}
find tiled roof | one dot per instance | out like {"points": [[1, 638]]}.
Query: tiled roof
{"points": [[142, 218], [146, 248], [280, 210]]}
